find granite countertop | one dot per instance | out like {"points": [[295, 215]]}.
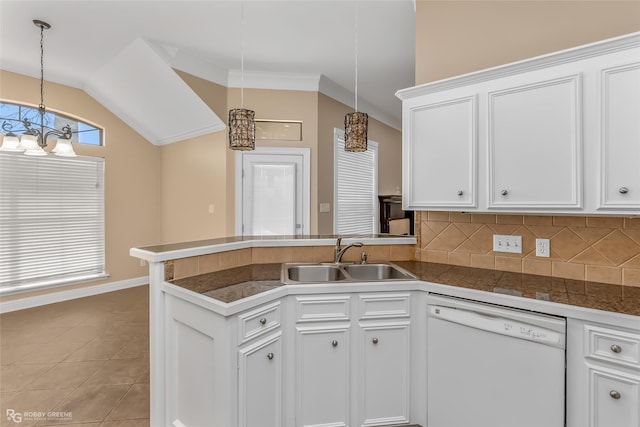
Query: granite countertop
{"points": [[159, 253], [233, 284]]}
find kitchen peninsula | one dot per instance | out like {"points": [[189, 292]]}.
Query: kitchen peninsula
{"points": [[231, 345]]}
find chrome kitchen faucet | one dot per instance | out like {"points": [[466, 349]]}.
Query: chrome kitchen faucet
{"points": [[340, 251]]}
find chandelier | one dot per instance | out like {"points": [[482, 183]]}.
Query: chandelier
{"points": [[32, 138]]}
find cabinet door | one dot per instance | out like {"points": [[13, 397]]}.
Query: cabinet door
{"points": [[194, 370], [384, 380], [620, 138], [260, 383], [322, 376], [439, 154], [535, 147], [614, 399]]}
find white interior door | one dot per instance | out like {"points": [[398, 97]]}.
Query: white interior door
{"points": [[274, 192]]}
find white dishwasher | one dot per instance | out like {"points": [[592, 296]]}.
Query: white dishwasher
{"points": [[491, 366]]}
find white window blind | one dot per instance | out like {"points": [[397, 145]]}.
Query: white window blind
{"points": [[51, 221], [355, 188]]}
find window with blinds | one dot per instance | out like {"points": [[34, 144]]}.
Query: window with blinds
{"points": [[355, 188], [51, 221]]}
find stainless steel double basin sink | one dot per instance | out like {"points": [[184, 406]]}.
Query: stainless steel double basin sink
{"points": [[301, 273]]}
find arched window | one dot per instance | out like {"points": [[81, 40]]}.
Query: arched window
{"points": [[15, 115]]}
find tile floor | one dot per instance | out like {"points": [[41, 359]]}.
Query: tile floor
{"points": [[82, 363]]}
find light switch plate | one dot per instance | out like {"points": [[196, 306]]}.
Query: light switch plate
{"points": [[511, 244], [325, 207]]}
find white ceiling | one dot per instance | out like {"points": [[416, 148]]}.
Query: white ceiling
{"points": [[295, 40]]}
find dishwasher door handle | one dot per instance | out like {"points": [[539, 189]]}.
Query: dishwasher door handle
{"points": [[498, 325]]}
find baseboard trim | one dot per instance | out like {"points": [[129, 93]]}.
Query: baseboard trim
{"points": [[53, 297]]}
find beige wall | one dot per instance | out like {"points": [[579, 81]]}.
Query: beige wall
{"points": [[194, 176], [331, 115], [457, 37], [132, 174]]}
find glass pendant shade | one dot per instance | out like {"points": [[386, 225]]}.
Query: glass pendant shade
{"points": [[10, 142], [242, 129], [29, 142], [63, 148], [355, 131]]}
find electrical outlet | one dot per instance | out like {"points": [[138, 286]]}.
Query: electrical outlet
{"points": [[142, 263], [543, 248], [212, 208], [325, 207], [511, 244]]}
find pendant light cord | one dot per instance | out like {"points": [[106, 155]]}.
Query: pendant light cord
{"points": [[241, 54]]}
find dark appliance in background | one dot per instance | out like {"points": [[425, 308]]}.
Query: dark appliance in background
{"points": [[393, 220]]}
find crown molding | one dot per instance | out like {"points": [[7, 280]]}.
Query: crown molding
{"points": [[616, 44]]}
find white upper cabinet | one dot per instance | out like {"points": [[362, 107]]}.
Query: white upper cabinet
{"points": [[440, 163], [535, 145], [620, 137], [555, 134]]}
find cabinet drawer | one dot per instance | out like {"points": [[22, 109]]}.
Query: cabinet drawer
{"points": [[259, 321], [613, 399], [613, 346], [323, 308], [384, 306]]}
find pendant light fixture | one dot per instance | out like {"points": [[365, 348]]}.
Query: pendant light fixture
{"points": [[242, 123], [356, 123], [33, 140]]}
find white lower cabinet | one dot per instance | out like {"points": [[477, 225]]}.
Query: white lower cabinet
{"points": [[260, 383], [322, 373], [356, 359], [384, 381], [614, 398], [603, 375], [352, 359]]}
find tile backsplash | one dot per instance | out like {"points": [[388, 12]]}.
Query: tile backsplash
{"points": [[598, 249]]}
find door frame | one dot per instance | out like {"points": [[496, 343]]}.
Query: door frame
{"points": [[305, 152]]}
